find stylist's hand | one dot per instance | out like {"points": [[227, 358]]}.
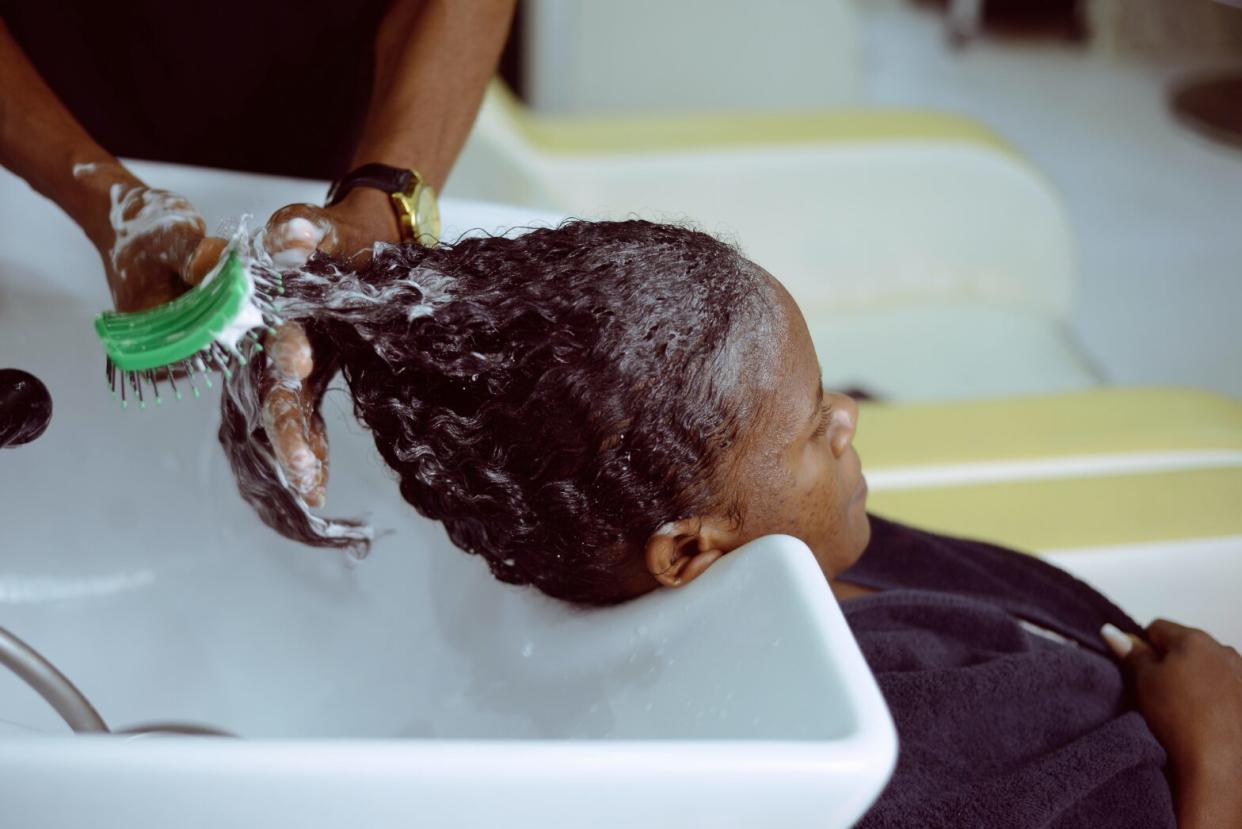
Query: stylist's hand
{"points": [[1189, 690], [153, 243], [300, 372]]}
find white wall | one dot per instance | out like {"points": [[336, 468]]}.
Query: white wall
{"points": [[662, 56]]}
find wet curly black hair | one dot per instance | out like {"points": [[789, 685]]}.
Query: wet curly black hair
{"points": [[553, 397]]}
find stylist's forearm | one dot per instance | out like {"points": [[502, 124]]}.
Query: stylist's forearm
{"points": [[43, 143], [432, 64]]}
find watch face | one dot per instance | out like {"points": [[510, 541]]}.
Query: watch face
{"points": [[428, 216]]}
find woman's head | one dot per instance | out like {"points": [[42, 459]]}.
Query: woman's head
{"points": [[595, 409]]}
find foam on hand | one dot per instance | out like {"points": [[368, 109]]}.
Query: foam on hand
{"points": [[295, 240], [138, 213]]}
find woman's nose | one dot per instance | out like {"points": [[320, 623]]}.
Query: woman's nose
{"points": [[844, 422]]}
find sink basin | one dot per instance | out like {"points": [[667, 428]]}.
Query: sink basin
{"points": [[410, 688]]}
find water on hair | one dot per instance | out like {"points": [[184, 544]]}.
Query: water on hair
{"points": [[552, 398]]}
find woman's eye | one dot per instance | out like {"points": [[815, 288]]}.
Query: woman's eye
{"points": [[822, 428]]}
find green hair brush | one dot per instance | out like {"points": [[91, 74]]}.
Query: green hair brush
{"points": [[208, 326]]}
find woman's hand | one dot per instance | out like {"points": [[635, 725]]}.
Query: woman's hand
{"points": [[299, 373], [1189, 690]]}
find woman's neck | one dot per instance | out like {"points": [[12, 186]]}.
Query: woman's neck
{"points": [[845, 590]]}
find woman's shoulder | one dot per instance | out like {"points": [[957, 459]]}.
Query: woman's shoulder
{"points": [[999, 725], [1020, 584], [988, 712]]}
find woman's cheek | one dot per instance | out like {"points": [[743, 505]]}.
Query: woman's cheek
{"points": [[820, 512]]}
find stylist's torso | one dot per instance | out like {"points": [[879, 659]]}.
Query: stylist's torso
{"points": [[256, 85]]}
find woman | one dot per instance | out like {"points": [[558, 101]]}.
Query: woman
{"points": [[607, 408]]}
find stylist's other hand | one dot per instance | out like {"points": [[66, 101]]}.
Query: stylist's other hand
{"points": [[346, 230], [1189, 690], [153, 243], [299, 373]]}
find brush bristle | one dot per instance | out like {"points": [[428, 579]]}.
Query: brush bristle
{"points": [[266, 285], [145, 384]]}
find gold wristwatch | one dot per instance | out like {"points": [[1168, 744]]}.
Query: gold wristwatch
{"points": [[413, 199]]}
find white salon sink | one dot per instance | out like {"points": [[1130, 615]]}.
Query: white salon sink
{"points": [[408, 689]]}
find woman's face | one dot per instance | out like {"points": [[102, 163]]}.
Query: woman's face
{"points": [[798, 472]]}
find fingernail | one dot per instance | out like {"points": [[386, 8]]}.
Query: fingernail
{"points": [[1118, 642], [291, 258], [296, 241]]}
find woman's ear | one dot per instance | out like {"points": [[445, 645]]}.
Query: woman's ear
{"points": [[679, 552]]}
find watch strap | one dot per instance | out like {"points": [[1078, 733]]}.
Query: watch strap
{"points": [[380, 176]]}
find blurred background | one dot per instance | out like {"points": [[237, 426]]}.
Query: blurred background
{"points": [[1123, 114]]}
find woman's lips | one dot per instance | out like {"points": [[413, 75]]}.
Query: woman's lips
{"points": [[861, 494]]}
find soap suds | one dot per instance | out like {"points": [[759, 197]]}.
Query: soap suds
{"points": [[249, 318], [290, 353], [81, 171], [251, 315], [295, 240], [283, 408], [151, 212]]}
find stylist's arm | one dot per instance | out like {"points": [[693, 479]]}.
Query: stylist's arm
{"points": [[433, 59], [152, 242]]}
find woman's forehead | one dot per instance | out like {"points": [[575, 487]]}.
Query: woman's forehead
{"points": [[788, 378], [795, 346]]}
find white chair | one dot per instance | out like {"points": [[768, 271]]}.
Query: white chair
{"points": [[931, 261]]}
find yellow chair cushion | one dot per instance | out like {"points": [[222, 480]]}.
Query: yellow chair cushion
{"points": [[664, 133], [1100, 467]]}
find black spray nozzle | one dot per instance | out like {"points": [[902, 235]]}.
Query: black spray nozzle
{"points": [[25, 407]]}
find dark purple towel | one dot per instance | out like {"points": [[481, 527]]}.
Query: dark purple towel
{"points": [[999, 726]]}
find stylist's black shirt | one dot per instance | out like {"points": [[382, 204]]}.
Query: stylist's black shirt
{"points": [[255, 85]]}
